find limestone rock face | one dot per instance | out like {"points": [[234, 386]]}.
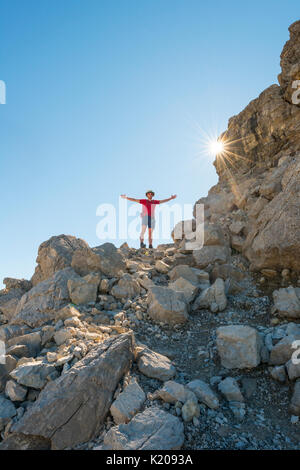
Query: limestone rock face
{"points": [[257, 198], [71, 409], [38, 305], [289, 61], [54, 255]]}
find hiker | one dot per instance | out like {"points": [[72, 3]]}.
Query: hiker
{"points": [[147, 214]]}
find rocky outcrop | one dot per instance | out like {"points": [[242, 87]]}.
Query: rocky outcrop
{"points": [[37, 306], [55, 255]]}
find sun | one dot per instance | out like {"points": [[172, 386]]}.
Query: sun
{"points": [[216, 147]]}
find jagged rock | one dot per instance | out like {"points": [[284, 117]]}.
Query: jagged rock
{"points": [[211, 255], [32, 341], [295, 401], [289, 62], [127, 287], [83, 290], [7, 411], [188, 288], [213, 297], [282, 351], [155, 365], [33, 374], [12, 283], [5, 369], [22, 442], [14, 391], [238, 346], [38, 305], [128, 403], [62, 335], [162, 267], [204, 393], [167, 305], [231, 390], [112, 262], [9, 301], [55, 255], [72, 409], [287, 302], [173, 392], [10, 331], [153, 429]]}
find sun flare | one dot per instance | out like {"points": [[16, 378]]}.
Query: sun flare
{"points": [[216, 147]]}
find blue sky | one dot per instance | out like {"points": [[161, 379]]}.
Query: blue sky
{"points": [[113, 96]]}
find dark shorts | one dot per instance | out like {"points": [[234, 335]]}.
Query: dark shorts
{"points": [[148, 221]]}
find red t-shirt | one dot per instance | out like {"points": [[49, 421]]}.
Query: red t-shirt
{"points": [[148, 207]]}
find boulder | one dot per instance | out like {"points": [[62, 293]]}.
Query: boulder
{"points": [[188, 289], [55, 255], [128, 403], [22, 442], [211, 255], [213, 297], [32, 341], [287, 302], [83, 290], [127, 287], [153, 429], [190, 410], [155, 365], [283, 350], [14, 391], [72, 409], [204, 393], [38, 305], [112, 262], [238, 346], [33, 374], [167, 305], [173, 392]]}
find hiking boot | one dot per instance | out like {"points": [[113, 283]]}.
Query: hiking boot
{"points": [[150, 247], [142, 245]]}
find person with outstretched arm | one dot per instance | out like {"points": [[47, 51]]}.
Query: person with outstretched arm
{"points": [[148, 213]]}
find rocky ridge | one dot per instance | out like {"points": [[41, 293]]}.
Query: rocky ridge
{"points": [[177, 347]]}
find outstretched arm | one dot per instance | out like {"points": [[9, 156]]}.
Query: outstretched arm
{"points": [[169, 199], [129, 198]]}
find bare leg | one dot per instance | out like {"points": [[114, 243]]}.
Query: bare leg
{"points": [[143, 232], [150, 236]]}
